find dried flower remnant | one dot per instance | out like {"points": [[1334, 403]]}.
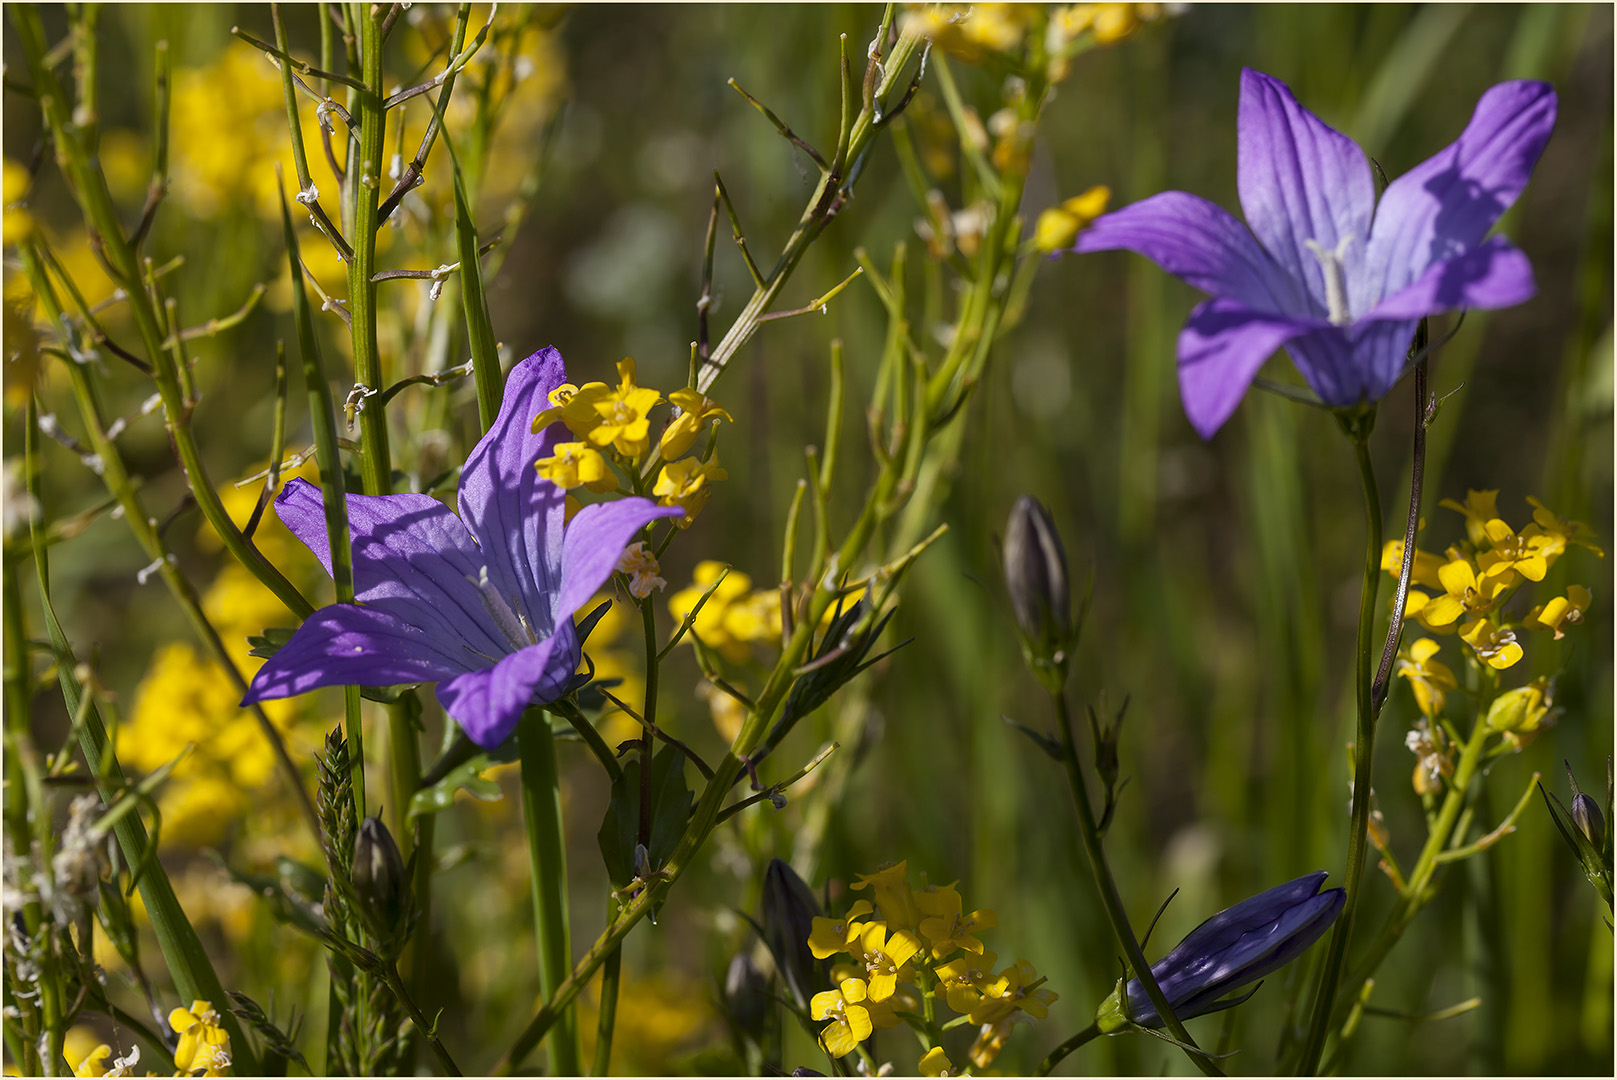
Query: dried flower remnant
{"points": [[1327, 271], [640, 565], [482, 603]]}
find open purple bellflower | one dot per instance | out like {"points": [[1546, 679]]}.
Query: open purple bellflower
{"points": [[1342, 293], [481, 604], [1239, 945]]}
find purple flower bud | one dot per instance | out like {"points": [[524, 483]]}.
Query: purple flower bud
{"points": [[379, 879], [1235, 947], [1036, 575], [1587, 817], [746, 992], [789, 909]]}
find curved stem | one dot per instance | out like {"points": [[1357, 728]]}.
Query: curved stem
{"points": [[1111, 900], [1054, 1058], [1358, 430]]}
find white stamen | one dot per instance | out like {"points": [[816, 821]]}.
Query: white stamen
{"points": [[513, 626], [1330, 265]]}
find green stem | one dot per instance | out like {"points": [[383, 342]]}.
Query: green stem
{"points": [[648, 746], [611, 973], [428, 1031], [1054, 1058], [365, 172], [1358, 431], [547, 851], [1116, 914]]}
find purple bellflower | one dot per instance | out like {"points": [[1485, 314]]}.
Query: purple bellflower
{"points": [[1235, 947], [1325, 271], [481, 604]]}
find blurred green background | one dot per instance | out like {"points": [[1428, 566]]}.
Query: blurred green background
{"points": [[1225, 573]]}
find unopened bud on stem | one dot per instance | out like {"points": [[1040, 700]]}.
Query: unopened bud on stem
{"points": [[1036, 575], [379, 880], [1587, 817]]}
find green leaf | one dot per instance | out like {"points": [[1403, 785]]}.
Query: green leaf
{"points": [[468, 775], [671, 800], [269, 642]]}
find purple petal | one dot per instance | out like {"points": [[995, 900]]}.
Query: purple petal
{"points": [[1221, 348], [1201, 244], [1447, 204], [345, 645], [412, 558], [1300, 181], [595, 538], [514, 515], [1493, 275], [1346, 365], [487, 703]]}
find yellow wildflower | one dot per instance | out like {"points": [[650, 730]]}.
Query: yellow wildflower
{"points": [[1525, 555], [574, 464], [1465, 593], [93, 1062], [641, 566], [850, 1019], [1428, 678], [964, 978], [1018, 987], [828, 937], [623, 422], [1562, 611], [1494, 645], [894, 899], [688, 484], [935, 1063], [78, 1044], [573, 406], [695, 410], [1423, 572], [1060, 224], [884, 957], [1479, 508], [947, 928], [1559, 531], [204, 1047]]}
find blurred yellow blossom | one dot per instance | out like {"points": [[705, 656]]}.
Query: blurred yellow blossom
{"points": [[935, 1063], [728, 713], [734, 616], [1423, 572], [1059, 225], [1559, 531], [1430, 679], [18, 223], [1479, 508]]}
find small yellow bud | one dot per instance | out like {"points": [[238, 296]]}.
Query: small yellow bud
{"points": [[1060, 225], [1520, 710]]}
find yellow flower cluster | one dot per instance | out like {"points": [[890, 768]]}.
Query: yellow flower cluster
{"points": [[917, 931], [188, 700], [204, 1047], [612, 426], [1060, 225], [1465, 589], [975, 32], [735, 617]]}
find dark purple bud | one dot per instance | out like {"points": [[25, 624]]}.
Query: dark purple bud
{"points": [[379, 879], [746, 993], [1236, 947], [1587, 817], [1036, 575], [789, 910]]}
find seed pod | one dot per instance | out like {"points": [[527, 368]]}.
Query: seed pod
{"points": [[379, 880]]}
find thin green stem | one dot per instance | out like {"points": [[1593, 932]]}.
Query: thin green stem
{"points": [[1358, 431], [428, 1031], [365, 172], [1111, 900], [1055, 1056], [611, 973], [648, 746], [547, 852]]}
